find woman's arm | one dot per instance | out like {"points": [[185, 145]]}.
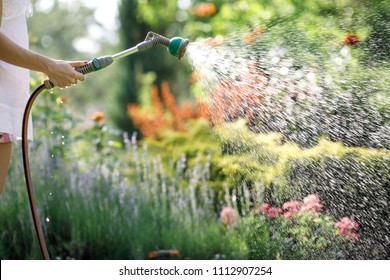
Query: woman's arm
{"points": [[60, 73]]}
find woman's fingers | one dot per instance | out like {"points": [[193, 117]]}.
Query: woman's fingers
{"points": [[63, 74], [74, 64]]}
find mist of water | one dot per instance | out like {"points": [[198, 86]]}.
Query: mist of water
{"points": [[282, 87], [306, 94]]}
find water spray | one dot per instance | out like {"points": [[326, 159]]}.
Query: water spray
{"points": [[176, 47]]}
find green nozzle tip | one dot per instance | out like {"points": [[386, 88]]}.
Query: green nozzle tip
{"points": [[174, 45]]}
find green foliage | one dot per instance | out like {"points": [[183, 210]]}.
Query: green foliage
{"points": [[54, 122]]}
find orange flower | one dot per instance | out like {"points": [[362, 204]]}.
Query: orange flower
{"points": [[97, 116], [202, 110], [186, 111], [205, 9], [351, 39]]}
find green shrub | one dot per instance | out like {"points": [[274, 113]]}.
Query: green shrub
{"points": [[306, 236]]}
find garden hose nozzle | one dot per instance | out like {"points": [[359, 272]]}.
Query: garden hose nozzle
{"points": [[176, 46]]}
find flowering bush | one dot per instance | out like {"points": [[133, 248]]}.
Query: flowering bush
{"points": [[297, 230]]}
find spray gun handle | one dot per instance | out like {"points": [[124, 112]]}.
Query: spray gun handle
{"points": [[94, 65]]}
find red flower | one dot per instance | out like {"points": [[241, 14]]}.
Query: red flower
{"points": [[351, 39]]}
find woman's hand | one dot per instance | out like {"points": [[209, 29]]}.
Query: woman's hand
{"points": [[62, 74]]}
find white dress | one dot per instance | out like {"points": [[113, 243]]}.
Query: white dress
{"points": [[14, 81]]}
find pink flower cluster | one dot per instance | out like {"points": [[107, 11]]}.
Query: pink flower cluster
{"points": [[347, 227], [310, 203], [229, 216], [268, 210], [291, 207]]}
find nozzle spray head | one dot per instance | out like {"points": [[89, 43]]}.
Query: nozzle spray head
{"points": [[176, 46]]}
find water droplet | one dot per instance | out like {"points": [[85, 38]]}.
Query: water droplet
{"points": [[338, 61], [311, 77], [283, 71]]}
